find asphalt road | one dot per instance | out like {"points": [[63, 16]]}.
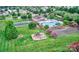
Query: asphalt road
{"points": [[18, 24]]}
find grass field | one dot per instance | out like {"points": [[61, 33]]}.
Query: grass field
{"points": [[60, 44]]}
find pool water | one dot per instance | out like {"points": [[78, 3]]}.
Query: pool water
{"points": [[51, 23]]}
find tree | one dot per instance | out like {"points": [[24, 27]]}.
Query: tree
{"points": [[13, 14], [24, 17], [46, 26], [32, 25], [29, 16], [49, 10], [18, 14], [51, 16], [68, 17], [10, 31]]}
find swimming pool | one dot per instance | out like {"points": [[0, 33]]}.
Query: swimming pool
{"points": [[50, 23]]}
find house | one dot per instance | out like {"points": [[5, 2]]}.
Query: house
{"points": [[38, 18], [23, 12], [2, 12]]}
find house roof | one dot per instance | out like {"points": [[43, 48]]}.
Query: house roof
{"points": [[38, 18]]}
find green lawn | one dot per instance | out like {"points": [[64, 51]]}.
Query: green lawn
{"points": [[27, 44], [15, 20]]}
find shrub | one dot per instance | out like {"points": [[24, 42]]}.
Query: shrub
{"points": [[32, 25], [54, 34], [77, 20], [66, 17], [15, 17], [49, 30], [45, 15], [73, 24], [10, 31], [46, 26], [66, 22]]}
